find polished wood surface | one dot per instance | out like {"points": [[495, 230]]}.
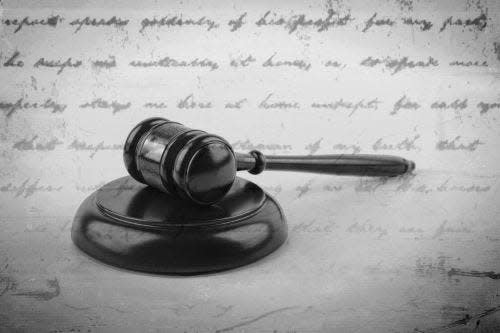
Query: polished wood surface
{"points": [[183, 162], [201, 167], [341, 164], [134, 226]]}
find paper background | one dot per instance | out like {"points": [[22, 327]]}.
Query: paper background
{"points": [[363, 254]]}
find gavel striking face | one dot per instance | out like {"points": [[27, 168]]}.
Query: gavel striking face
{"points": [[180, 161], [202, 167]]}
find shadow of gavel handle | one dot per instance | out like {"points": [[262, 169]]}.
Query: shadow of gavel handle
{"points": [[341, 164], [201, 167]]}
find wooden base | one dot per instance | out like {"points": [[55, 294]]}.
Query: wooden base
{"points": [[134, 226]]}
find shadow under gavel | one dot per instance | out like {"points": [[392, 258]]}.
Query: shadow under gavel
{"points": [[201, 167]]}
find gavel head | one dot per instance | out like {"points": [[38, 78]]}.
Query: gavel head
{"points": [[189, 163]]}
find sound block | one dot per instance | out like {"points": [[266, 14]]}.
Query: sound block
{"points": [[134, 226]]}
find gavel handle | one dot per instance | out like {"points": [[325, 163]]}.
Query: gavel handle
{"points": [[342, 164]]}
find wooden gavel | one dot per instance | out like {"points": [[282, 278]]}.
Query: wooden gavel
{"points": [[202, 167]]}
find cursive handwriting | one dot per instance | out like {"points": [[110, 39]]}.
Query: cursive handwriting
{"points": [[11, 107], [98, 22], [404, 103], [446, 229], [178, 21], [248, 145], [410, 184], [242, 61], [190, 103], [454, 144], [93, 148], [291, 23], [51, 21], [62, 65], [486, 107], [373, 20], [457, 104], [171, 62], [105, 63], [353, 106], [405, 144], [29, 144], [398, 64], [155, 105], [470, 63], [238, 23], [13, 61], [28, 188], [368, 228], [353, 148], [268, 103], [423, 24], [100, 103], [479, 22], [236, 104], [297, 63]]}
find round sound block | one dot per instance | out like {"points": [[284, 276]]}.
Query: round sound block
{"points": [[134, 226]]}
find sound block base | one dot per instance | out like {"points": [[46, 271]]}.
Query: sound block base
{"points": [[133, 226]]}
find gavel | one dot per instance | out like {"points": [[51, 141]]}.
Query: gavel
{"points": [[201, 167]]}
